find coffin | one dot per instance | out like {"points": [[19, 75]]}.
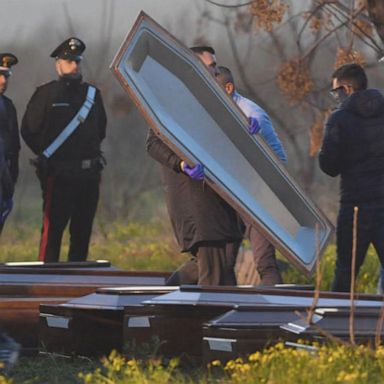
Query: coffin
{"points": [[192, 114], [245, 330], [62, 265], [92, 325], [190, 307], [19, 318]]}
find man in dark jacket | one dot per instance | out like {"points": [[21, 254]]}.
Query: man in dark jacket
{"points": [[64, 125], [204, 224], [353, 147], [9, 133]]}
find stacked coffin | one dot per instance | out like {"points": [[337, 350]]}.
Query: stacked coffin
{"points": [[24, 287], [247, 329], [201, 322]]}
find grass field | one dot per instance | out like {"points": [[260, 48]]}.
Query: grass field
{"points": [[150, 246]]}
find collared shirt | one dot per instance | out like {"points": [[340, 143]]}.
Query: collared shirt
{"points": [[251, 109]]}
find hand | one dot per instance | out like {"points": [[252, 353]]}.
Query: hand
{"points": [[254, 126], [196, 172], [6, 209]]}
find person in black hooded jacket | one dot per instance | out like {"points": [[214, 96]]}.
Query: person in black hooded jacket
{"points": [[353, 147]]}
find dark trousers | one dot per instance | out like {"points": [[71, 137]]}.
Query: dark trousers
{"points": [[211, 264], [370, 229], [264, 255], [72, 201]]}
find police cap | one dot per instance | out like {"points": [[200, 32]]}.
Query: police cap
{"points": [[6, 62], [70, 49]]}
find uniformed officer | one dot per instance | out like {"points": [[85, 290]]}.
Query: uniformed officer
{"points": [[9, 134], [64, 125]]}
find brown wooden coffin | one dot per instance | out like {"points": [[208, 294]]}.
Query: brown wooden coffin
{"points": [[245, 330], [171, 330], [367, 325], [72, 283], [92, 325], [248, 329], [91, 264], [19, 318], [23, 289], [190, 307]]}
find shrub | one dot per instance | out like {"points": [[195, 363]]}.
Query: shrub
{"points": [[118, 370]]}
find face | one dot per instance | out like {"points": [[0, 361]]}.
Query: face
{"points": [[3, 82], [209, 61], [340, 90], [67, 67], [227, 85]]}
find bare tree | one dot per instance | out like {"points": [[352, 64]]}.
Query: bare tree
{"points": [[283, 53]]}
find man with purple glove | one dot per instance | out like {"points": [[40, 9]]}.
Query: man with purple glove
{"points": [[203, 223], [263, 250]]}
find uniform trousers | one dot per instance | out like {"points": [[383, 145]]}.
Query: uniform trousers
{"points": [[68, 200], [370, 229]]}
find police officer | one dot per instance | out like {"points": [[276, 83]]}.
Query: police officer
{"points": [[64, 125], [9, 134]]}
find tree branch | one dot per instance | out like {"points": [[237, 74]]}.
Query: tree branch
{"points": [[229, 6]]}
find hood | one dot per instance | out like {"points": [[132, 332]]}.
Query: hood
{"points": [[366, 103]]}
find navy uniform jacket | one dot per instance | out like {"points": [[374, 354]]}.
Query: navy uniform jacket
{"points": [[9, 132], [51, 108]]}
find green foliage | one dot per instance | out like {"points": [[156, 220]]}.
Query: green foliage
{"points": [[366, 281], [327, 365], [50, 369], [118, 370], [141, 246], [132, 246], [5, 380], [150, 245]]}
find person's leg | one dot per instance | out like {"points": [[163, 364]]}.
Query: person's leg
{"points": [[378, 242], [264, 256], [215, 265], [185, 274], [56, 212], [344, 233], [84, 210], [231, 252]]}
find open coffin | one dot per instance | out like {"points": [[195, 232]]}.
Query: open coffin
{"points": [[187, 108]]}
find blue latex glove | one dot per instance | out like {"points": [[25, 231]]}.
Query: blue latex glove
{"points": [[196, 172], [6, 209], [254, 126]]}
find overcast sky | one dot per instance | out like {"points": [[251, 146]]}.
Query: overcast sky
{"points": [[31, 29], [20, 20]]}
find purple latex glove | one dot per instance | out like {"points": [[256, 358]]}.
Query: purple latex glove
{"points": [[196, 172], [6, 209], [254, 126]]}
